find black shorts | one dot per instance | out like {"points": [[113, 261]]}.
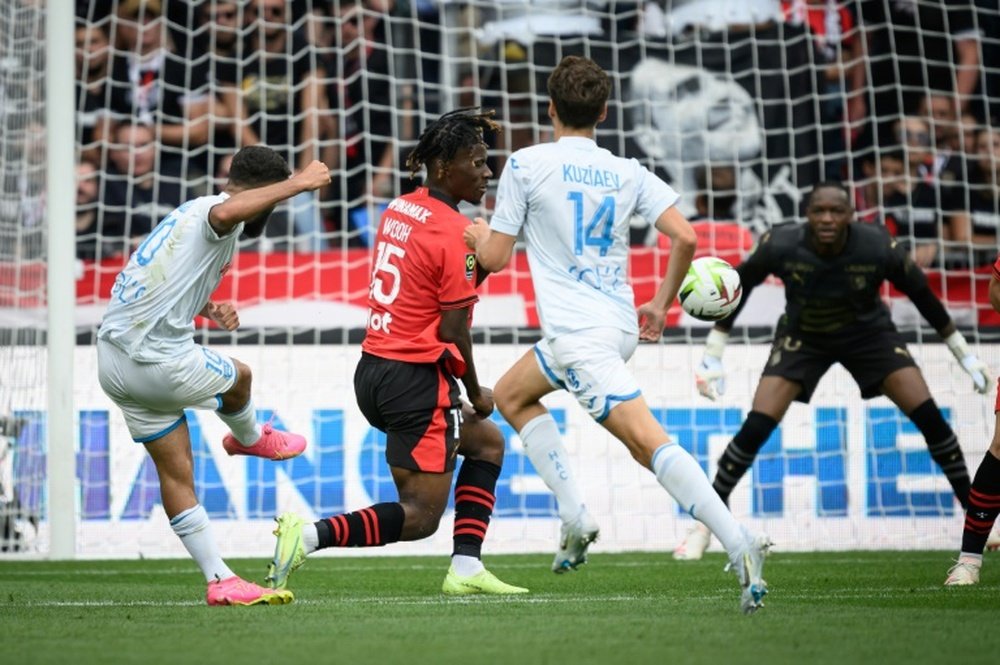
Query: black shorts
{"points": [[418, 407], [869, 360]]}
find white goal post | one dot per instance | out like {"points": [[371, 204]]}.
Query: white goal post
{"points": [[61, 283]]}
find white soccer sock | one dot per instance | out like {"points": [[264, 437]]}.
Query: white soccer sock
{"points": [[243, 424], [681, 476], [310, 537], [545, 449], [466, 566], [193, 528]]}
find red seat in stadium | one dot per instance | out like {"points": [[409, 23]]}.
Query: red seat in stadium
{"points": [[730, 241]]}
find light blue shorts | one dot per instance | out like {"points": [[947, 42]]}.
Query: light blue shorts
{"points": [[153, 396], [590, 364]]}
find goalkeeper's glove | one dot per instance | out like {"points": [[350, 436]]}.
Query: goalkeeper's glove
{"points": [[709, 376], [972, 365]]}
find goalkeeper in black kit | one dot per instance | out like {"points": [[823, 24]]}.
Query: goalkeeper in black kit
{"points": [[833, 272]]}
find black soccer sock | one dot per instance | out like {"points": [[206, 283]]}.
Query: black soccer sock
{"points": [[943, 446], [373, 526], [474, 500], [741, 451], [984, 505]]}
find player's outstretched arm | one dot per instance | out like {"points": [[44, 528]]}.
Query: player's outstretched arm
{"points": [[249, 203], [933, 310], [683, 242], [493, 250], [454, 328], [913, 282], [969, 361]]}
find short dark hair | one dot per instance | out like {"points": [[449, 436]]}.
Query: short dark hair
{"points": [[579, 88], [256, 166], [453, 131], [828, 184]]}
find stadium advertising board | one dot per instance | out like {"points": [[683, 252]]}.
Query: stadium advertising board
{"points": [[840, 473]]}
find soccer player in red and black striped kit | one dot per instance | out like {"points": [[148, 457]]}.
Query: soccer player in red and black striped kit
{"points": [[984, 495], [417, 345]]}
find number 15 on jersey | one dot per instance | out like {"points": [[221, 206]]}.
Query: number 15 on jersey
{"points": [[385, 273]]}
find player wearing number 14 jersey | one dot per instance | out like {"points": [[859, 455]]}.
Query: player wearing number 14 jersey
{"points": [[573, 201], [151, 367], [417, 345]]}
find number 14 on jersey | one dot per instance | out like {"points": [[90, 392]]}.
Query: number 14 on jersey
{"points": [[597, 232]]}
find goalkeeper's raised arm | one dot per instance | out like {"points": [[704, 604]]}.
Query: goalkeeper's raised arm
{"points": [[906, 276]]}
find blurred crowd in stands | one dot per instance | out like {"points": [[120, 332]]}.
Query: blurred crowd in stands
{"points": [[741, 106]]}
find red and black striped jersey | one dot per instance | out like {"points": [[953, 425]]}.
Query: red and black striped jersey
{"points": [[420, 267]]}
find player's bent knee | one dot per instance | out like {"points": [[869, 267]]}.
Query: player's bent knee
{"points": [[492, 440], [504, 396], [244, 376], [482, 440], [515, 409], [239, 394]]}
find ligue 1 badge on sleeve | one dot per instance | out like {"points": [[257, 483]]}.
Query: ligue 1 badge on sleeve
{"points": [[470, 266]]}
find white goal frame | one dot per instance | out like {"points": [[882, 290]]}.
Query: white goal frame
{"points": [[61, 506]]}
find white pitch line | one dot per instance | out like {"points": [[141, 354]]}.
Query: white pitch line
{"points": [[104, 572], [541, 599], [385, 600], [776, 559]]}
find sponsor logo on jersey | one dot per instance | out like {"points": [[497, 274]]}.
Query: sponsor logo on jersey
{"points": [[409, 209]]}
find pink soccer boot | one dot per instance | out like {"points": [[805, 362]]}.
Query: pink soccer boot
{"points": [[272, 444], [236, 591]]}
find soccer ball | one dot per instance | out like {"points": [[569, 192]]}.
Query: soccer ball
{"points": [[711, 290]]}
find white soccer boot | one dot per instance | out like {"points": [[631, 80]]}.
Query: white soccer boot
{"points": [[748, 565], [574, 539], [965, 572], [693, 547]]}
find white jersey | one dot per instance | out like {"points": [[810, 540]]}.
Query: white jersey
{"points": [[574, 201], [167, 281]]}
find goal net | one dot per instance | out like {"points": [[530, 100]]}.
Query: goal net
{"points": [[741, 113], [22, 277]]}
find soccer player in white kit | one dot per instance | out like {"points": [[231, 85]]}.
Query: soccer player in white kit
{"points": [[573, 201], [151, 367]]}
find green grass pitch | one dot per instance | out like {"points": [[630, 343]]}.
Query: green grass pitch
{"points": [[843, 607]]}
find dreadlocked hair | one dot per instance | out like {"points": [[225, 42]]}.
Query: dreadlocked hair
{"points": [[453, 131]]}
